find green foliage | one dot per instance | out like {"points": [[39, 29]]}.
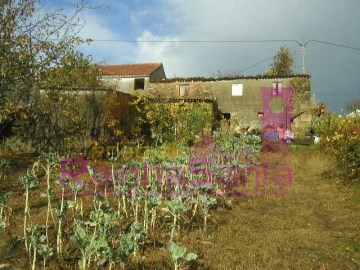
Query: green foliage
{"points": [[176, 207], [130, 242], [245, 145], [206, 203], [46, 252], [340, 137], [193, 119], [179, 255], [29, 181], [4, 163], [126, 247], [301, 97], [283, 63], [74, 70], [32, 40], [170, 121], [4, 200], [89, 244], [102, 219], [37, 52], [62, 121]]}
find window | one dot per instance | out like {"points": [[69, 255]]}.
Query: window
{"points": [[139, 84], [237, 89], [184, 90]]}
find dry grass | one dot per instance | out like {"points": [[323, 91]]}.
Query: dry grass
{"points": [[316, 227], [310, 229]]}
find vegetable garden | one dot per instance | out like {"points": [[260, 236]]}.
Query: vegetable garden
{"points": [[106, 216]]}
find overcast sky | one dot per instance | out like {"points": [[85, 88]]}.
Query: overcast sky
{"points": [[335, 70]]}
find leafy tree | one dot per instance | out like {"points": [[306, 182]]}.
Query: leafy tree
{"points": [[31, 42], [283, 63], [67, 110], [74, 70]]}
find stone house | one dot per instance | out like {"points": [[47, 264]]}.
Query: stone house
{"points": [[242, 99], [131, 78]]}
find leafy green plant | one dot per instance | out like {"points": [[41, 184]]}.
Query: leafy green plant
{"points": [[51, 163], [29, 182], [176, 207], [245, 145], [206, 203], [61, 215], [339, 137], [137, 194], [154, 202], [102, 220], [179, 255], [46, 252], [90, 244], [76, 188], [4, 200], [170, 121], [120, 192], [131, 241], [37, 246], [97, 180], [4, 163]]}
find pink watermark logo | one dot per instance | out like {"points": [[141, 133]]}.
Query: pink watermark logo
{"points": [[276, 117], [200, 173]]}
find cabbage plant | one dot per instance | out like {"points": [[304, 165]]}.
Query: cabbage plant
{"points": [[29, 181], [176, 207], [179, 255]]}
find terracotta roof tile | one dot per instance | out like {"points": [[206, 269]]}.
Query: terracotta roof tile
{"points": [[129, 69]]}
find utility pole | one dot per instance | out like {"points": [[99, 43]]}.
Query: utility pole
{"points": [[303, 57], [303, 45]]}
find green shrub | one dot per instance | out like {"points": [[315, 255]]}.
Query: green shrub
{"points": [[340, 137]]}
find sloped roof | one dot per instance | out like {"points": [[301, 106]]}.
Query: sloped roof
{"points": [[129, 69]]}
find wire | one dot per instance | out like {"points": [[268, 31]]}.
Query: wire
{"points": [[228, 41], [334, 44], [195, 41], [254, 65], [269, 58]]}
